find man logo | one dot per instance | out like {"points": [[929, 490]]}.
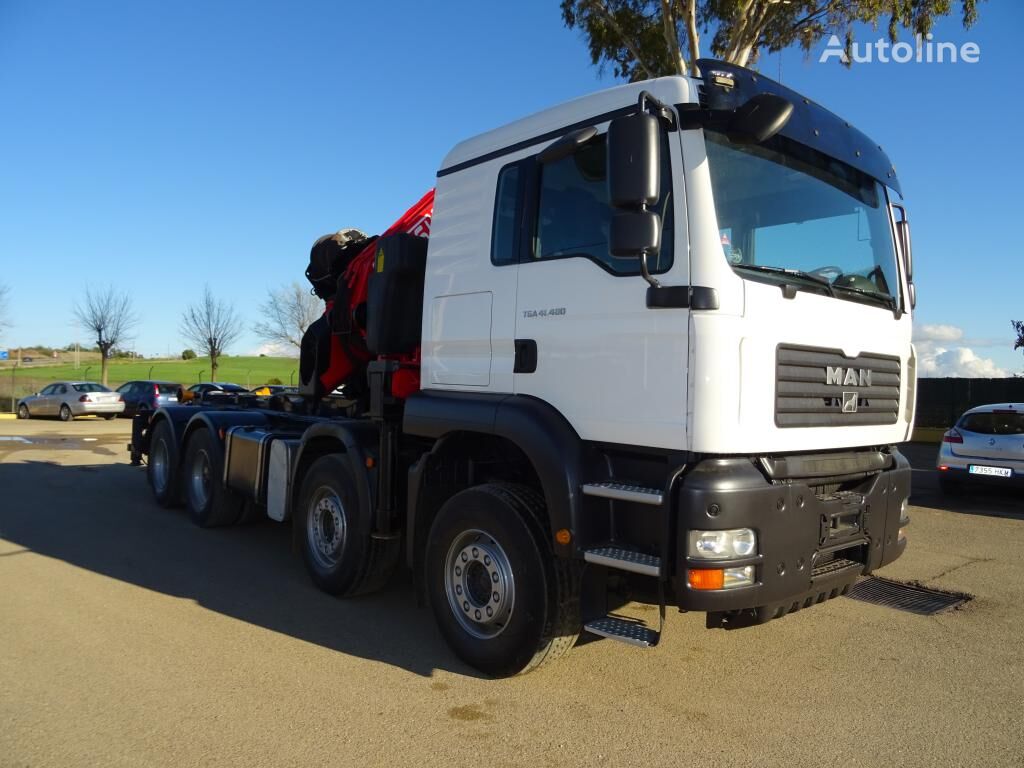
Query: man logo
{"points": [[843, 378], [849, 402]]}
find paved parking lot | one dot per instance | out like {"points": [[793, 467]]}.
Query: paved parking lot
{"points": [[128, 637]]}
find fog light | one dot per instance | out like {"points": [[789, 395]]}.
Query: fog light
{"points": [[722, 545], [738, 577]]}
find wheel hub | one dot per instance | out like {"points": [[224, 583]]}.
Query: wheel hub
{"points": [[479, 584], [326, 527], [200, 481], [158, 460]]}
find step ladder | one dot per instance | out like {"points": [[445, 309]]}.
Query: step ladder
{"points": [[623, 558]]}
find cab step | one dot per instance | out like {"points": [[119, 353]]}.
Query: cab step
{"points": [[624, 560], [624, 492], [629, 632]]}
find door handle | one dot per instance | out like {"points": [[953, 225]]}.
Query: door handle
{"points": [[526, 356]]}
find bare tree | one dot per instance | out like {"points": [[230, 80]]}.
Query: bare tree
{"points": [[288, 312], [110, 317], [212, 326]]}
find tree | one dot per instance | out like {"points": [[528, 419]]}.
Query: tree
{"points": [[641, 39], [288, 312], [1018, 327], [110, 317], [188, 354], [212, 326]]}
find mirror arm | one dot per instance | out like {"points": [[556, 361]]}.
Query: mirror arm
{"points": [[645, 272]]}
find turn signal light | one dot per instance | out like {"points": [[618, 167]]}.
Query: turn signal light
{"points": [[705, 578]]}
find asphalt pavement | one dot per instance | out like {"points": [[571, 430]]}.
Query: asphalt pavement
{"points": [[129, 637]]}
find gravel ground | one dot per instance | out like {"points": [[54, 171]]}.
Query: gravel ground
{"points": [[128, 637]]}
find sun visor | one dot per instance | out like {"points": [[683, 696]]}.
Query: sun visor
{"points": [[727, 86]]}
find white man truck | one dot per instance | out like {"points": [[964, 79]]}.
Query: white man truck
{"points": [[661, 338]]}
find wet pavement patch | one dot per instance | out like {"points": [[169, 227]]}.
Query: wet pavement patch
{"points": [[912, 598]]}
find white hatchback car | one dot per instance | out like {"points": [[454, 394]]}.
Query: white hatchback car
{"points": [[985, 446]]}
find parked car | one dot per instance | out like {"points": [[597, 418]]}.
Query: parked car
{"points": [[142, 396], [67, 399], [985, 446], [275, 389], [216, 386]]}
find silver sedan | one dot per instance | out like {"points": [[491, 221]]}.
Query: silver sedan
{"points": [[67, 399], [985, 447]]}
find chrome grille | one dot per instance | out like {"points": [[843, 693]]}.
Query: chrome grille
{"points": [[807, 396]]}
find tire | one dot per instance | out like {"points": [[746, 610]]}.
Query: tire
{"points": [[209, 503], [162, 468], [109, 416], [23, 411], [65, 413], [501, 531], [340, 555]]}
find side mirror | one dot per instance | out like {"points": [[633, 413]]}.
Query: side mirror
{"points": [[634, 182], [903, 235], [634, 161], [759, 118], [634, 233]]}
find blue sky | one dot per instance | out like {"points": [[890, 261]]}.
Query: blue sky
{"points": [[158, 146]]}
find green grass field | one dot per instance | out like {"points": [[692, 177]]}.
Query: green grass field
{"points": [[247, 371]]}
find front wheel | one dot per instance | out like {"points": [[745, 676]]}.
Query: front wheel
{"points": [[503, 601], [65, 413], [23, 412]]}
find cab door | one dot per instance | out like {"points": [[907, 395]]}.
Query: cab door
{"points": [[586, 341]]}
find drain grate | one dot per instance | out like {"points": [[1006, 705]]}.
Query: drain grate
{"points": [[912, 598]]}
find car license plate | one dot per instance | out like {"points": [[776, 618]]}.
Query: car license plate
{"points": [[978, 469]]}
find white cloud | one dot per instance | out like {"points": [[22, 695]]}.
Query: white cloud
{"points": [[938, 355], [275, 350], [937, 333]]}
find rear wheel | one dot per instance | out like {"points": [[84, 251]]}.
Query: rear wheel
{"points": [[65, 413], [23, 412], [109, 416], [162, 469], [503, 601], [208, 501], [340, 554]]}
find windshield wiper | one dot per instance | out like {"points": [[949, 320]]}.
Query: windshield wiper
{"points": [[889, 301], [824, 282]]}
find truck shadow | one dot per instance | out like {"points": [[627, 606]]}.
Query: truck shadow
{"points": [[101, 517]]}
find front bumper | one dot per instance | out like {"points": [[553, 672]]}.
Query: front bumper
{"points": [[816, 535]]}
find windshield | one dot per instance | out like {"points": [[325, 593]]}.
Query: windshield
{"points": [[994, 423], [90, 387], [783, 206]]}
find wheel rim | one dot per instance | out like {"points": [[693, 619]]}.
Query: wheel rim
{"points": [[65, 413], [199, 481], [479, 584], [158, 461], [23, 411], [326, 527]]}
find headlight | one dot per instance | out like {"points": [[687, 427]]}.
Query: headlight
{"points": [[722, 545]]}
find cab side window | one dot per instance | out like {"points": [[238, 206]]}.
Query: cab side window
{"points": [[573, 215], [504, 233]]}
